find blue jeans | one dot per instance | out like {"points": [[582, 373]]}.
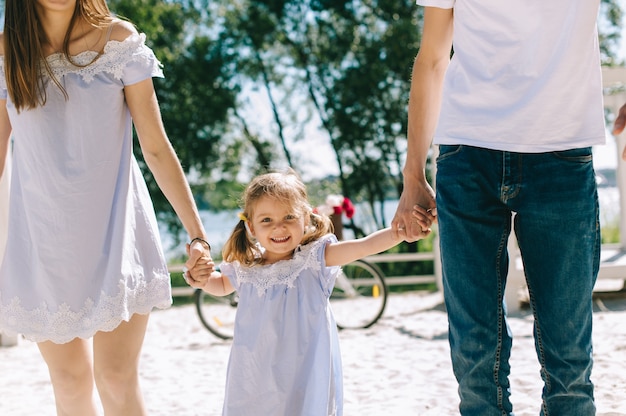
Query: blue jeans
{"points": [[554, 198]]}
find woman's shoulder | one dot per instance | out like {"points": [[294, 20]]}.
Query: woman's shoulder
{"points": [[121, 30]]}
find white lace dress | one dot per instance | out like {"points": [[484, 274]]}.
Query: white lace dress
{"points": [[285, 357], [83, 251]]}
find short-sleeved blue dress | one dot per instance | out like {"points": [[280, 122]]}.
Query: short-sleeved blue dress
{"points": [[285, 357], [83, 251]]}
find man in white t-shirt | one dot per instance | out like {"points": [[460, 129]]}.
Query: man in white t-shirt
{"points": [[515, 112]]}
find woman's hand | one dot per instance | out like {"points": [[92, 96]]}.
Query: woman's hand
{"points": [[199, 265]]}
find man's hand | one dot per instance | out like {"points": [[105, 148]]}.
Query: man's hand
{"points": [[416, 211]]}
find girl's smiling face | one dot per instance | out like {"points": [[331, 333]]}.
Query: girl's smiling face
{"points": [[277, 227]]}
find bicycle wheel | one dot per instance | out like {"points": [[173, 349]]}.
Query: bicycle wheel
{"points": [[359, 296], [217, 313]]}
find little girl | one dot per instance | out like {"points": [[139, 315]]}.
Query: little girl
{"points": [[282, 258]]}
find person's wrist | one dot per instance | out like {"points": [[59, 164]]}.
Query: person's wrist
{"points": [[200, 240], [415, 173]]}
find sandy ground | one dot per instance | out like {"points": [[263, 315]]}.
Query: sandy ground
{"points": [[400, 366]]}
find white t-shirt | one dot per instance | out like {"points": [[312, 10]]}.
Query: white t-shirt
{"points": [[525, 75]]}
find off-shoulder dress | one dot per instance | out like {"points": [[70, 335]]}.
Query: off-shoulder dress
{"points": [[83, 251]]}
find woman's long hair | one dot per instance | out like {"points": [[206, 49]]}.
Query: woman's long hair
{"points": [[285, 187], [24, 38]]}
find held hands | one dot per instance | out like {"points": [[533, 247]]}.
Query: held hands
{"points": [[421, 222], [412, 220], [619, 124], [199, 265], [199, 275]]}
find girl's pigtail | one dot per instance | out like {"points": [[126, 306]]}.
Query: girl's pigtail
{"points": [[320, 225], [239, 247]]}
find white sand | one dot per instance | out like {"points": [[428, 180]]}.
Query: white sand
{"points": [[400, 366]]}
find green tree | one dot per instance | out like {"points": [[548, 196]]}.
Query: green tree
{"points": [[610, 29], [196, 94], [351, 61]]}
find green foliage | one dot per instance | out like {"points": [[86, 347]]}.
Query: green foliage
{"points": [[610, 234], [225, 194], [178, 280], [611, 17], [352, 62], [195, 95]]}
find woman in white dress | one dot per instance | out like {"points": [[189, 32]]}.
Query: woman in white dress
{"points": [[83, 258], [283, 260], [5, 176]]}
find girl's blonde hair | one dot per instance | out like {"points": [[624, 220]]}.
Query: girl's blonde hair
{"points": [[24, 38], [285, 187]]}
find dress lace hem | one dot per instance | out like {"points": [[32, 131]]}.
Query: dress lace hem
{"points": [[63, 325]]}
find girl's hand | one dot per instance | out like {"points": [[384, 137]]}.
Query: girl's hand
{"points": [[195, 250], [424, 217], [420, 224], [199, 265], [198, 275]]}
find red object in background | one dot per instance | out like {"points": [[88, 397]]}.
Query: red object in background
{"points": [[348, 207], [336, 205]]}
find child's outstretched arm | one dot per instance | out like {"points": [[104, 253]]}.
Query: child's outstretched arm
{"points": [[215, 283], [344, 252]]}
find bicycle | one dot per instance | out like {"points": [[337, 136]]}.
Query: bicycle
{"points": [[217, 313], [359, 296], [358, 301]]}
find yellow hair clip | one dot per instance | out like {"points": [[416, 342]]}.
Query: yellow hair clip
{"points": [[242, 217]]}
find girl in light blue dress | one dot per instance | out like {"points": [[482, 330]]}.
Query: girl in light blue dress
{"points": [[282, 259]]}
